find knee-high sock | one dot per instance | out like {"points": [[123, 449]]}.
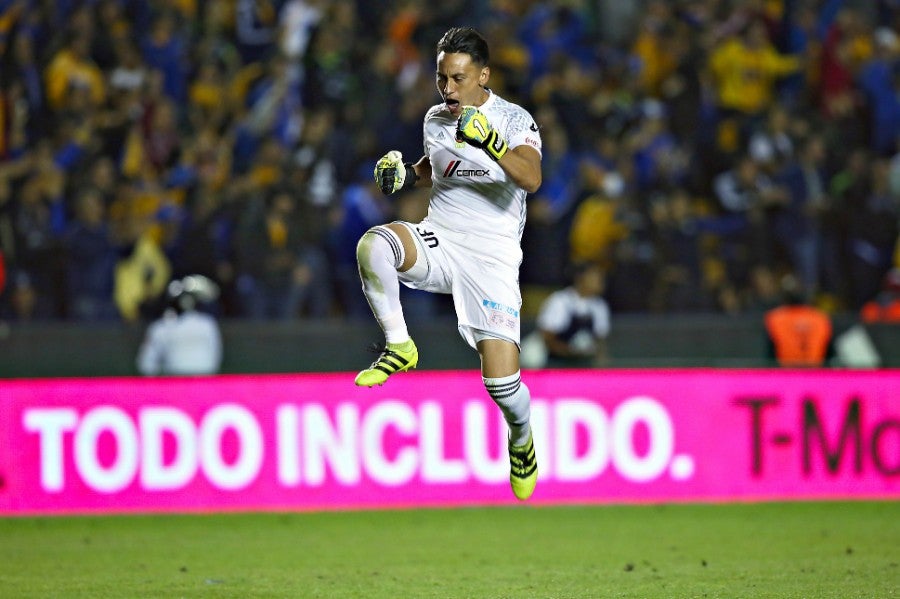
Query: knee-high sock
{"points": [[514, 400], [379, 254]]}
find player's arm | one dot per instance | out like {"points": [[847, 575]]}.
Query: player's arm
{"points": [[551, 319], [393, 174], [556, 345], [522, 164], [423, 171]]}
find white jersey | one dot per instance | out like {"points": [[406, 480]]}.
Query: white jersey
{"points": [[181, 344], [568, 314], [470, 192]]}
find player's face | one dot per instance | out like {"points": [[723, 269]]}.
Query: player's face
{"points": [[460, 81]]}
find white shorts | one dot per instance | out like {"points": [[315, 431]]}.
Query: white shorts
{"points": [[481, 275]]}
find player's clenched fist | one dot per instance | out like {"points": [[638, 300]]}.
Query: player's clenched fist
{"points": [[474, 129], [392, 174]]}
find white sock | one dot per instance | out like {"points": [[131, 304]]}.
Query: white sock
{"points": [[379, 254], [514, 400]]}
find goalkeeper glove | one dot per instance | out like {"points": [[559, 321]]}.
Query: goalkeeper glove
{"points": [[392, 174], [474, 129]]}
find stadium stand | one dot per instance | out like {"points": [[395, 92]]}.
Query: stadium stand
{"points": [[698, 147]]}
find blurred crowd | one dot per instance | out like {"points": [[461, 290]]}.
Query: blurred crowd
{"points": [[699, 150]]}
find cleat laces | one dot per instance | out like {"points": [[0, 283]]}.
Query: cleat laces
{"points": [[388, 361], [523, 462]]}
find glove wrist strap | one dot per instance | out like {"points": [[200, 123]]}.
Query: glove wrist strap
{"points": [[495, 146], [411, 176]]}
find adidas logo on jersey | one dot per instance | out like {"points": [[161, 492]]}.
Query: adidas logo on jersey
{"points": [[453, 170], [457, 142]]}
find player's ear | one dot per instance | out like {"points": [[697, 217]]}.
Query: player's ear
{"points": [[484, 76]]}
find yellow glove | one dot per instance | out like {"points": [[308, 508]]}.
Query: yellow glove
{"points": [[392, 174], [474, 129]]}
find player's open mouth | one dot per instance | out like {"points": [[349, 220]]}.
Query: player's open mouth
{"points": [[451, 104]]}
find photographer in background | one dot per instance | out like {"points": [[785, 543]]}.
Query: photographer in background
{"points": [[185, 340], [574, 322]]}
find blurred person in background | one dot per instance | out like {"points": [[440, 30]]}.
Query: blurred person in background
{"points": [[38, 225], [678, 229], [22, 302], [746, 198], [658, 159], [607, 228], [799, 334], [545, 237], [255, 28], [142, 271], [598, 224], [273, 277], [7, 224], [879, 80], [90, 258], [482, 157], [550, 32], [166, 48], [847, 186], [574, 322], [746, 67], [797, 223], [884, 307], [847, 44], [874, 225], [362, 206], [73, 68], [771, 144], [26, 72], [186, 339], [764, 292]]}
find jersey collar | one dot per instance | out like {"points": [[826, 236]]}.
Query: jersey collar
{"points": [[490, 100]]}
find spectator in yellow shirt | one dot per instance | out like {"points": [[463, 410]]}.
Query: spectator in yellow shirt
{"points": [[746, 68], [72, 67]]}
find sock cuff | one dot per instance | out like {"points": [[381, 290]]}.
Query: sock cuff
{"points": [[503, 387]]}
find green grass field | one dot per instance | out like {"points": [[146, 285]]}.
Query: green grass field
{"points": [[809, 550]]}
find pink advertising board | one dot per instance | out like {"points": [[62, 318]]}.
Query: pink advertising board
{"points": [[316, 442]]}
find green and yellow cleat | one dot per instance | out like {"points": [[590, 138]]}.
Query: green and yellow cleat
{"points": [[394, 357], [523, 469]]}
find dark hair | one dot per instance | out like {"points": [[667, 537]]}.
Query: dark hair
{"points": [[465, 40], [579, 267]]}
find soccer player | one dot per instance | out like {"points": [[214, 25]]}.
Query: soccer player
{"points": [[482, 157]]}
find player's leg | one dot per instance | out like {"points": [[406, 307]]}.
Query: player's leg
{"points": [[381, 253], [502, 378], [503, 381]]}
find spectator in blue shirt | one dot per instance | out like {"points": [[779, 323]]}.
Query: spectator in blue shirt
{"points": [[90, 260]]}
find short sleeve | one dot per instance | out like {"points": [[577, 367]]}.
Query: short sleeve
{"points": [[522, 129]]}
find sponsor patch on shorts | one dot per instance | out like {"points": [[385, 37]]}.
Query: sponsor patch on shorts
{"points": [[501, 315]]}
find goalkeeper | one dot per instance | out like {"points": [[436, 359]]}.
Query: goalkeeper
{"points": [[482, 157]]}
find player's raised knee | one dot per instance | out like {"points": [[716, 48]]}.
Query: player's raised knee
{"points": [[379, 244], [364, 246]]}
